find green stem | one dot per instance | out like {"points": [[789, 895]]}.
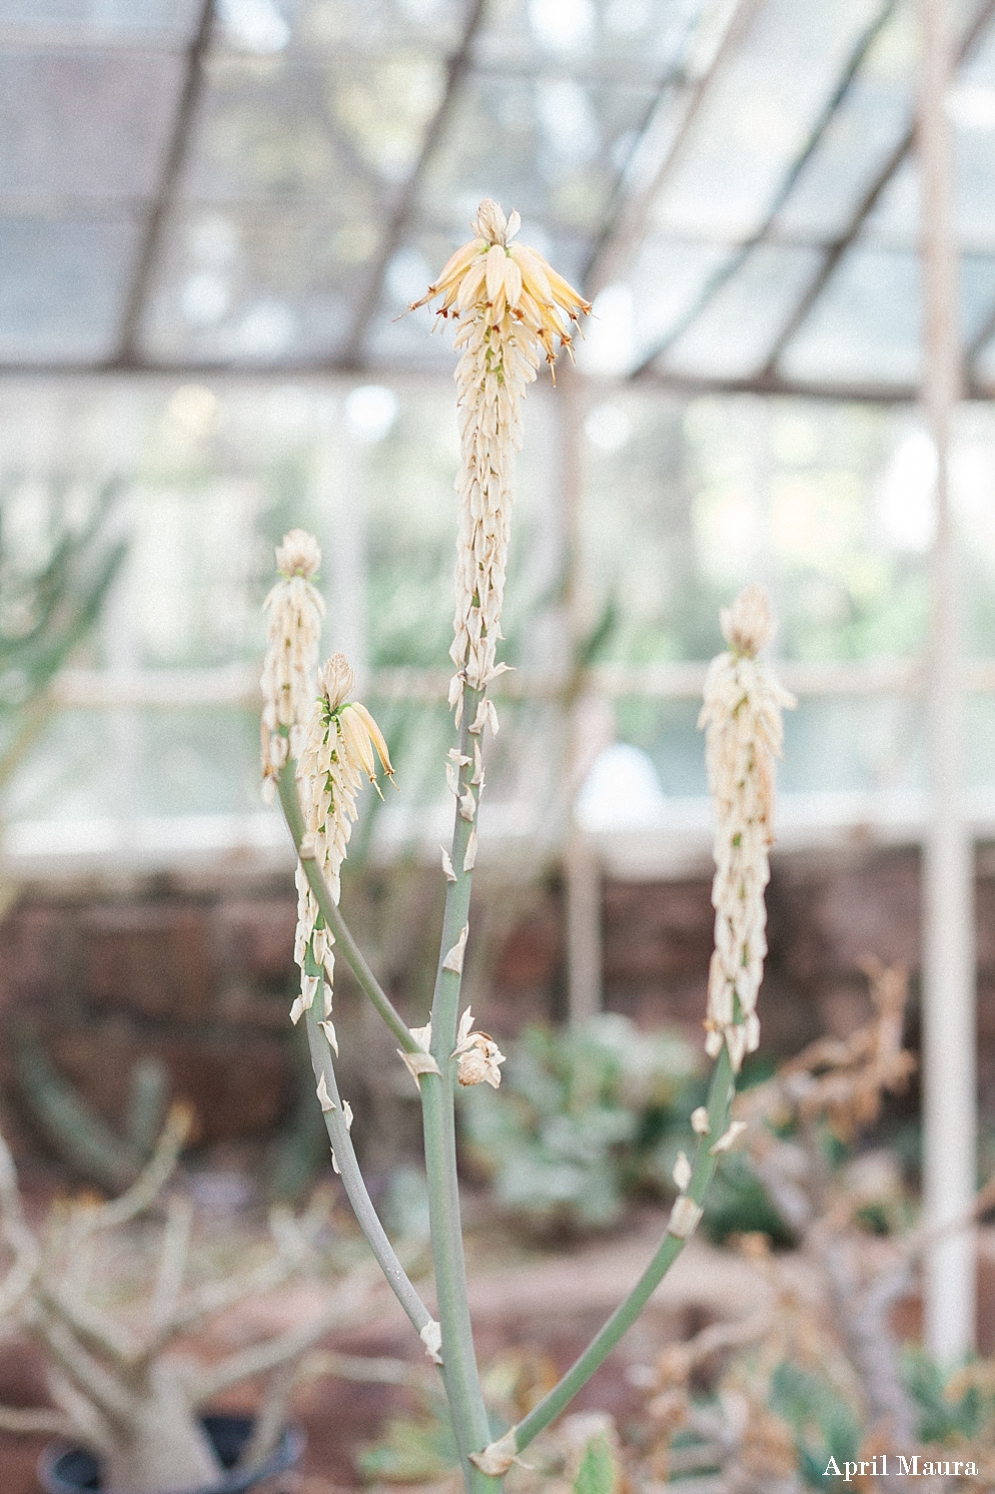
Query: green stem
{"points": [[330, 912], [321, 1064], [352, 1179], [720, 1096], [466, 1401]]}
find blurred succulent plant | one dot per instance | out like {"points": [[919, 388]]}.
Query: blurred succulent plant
{"points": [[582, 1119], [55, 573]]}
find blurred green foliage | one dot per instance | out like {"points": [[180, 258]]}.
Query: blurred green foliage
{"points": [[946, 1409], [412, 1449], [52, 585], [58, 558], [586, 1119], [598, 1472], [824, 1425]]}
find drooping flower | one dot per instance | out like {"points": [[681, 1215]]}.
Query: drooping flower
{"points": [[295, 609], [513, 310], [744, 733], [340, 749]]}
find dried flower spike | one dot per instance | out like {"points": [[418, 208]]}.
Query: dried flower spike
{"points": [[741, 717], [513, 310]]}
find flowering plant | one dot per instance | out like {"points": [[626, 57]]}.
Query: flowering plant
{"points": [[512, 311]]}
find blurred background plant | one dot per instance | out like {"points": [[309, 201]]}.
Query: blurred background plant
{"points": [[61, 547], [588, 1118], [112, 1293]]}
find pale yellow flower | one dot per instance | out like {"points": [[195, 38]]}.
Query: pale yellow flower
{"points": [[513, 310], [741, 717], [340, 749]]}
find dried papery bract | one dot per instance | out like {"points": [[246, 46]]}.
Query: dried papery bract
{"points": [[295, 609], [744, 733], [478, 1057], [341, 745], [513, 310]]}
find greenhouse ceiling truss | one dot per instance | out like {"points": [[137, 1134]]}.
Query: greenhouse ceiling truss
{"points": [[297, 322]]}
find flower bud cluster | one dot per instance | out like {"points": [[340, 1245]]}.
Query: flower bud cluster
{"points": [[513, 309], [744, 733], [294, 608], [340, 750]]}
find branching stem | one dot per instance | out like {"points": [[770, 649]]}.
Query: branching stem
{"points": [[321, 1063], [720, 1096], [462, 1380], [332, 915]]}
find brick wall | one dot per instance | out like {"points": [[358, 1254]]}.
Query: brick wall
{"points": [[201, 977]]}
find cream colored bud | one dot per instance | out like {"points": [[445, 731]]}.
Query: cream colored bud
{"points": [[728, 1139], [748, 625], [490, 222], [431, 1337], [699, 1120], [337, 681], [298, 555], [682, 1172], [684, 1217]]}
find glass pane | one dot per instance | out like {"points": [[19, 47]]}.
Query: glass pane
{"points": [[837, 745], [63, 285], [330, 25], [647, 38], [352, 130], [550, 146], [733, 335], [897, 216], [756, 118], [84, 124], [259, 287], [866, 128], [166, 22], [667, 278], [95, 765], [866, 326]]}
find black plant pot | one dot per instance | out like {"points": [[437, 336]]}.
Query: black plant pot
{"points": [[72, 1470]]}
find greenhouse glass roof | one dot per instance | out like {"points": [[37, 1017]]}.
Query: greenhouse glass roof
{"points": [[262, 185]]}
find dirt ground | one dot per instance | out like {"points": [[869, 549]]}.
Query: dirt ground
{"points": [[547, 1305]]}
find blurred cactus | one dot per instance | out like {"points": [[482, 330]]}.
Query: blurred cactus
{"points": [[51, 593], [122, 1377], [76, 1133]]}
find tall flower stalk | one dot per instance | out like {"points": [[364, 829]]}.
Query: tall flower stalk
{"points": [[512, 311], [744, 735]]}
